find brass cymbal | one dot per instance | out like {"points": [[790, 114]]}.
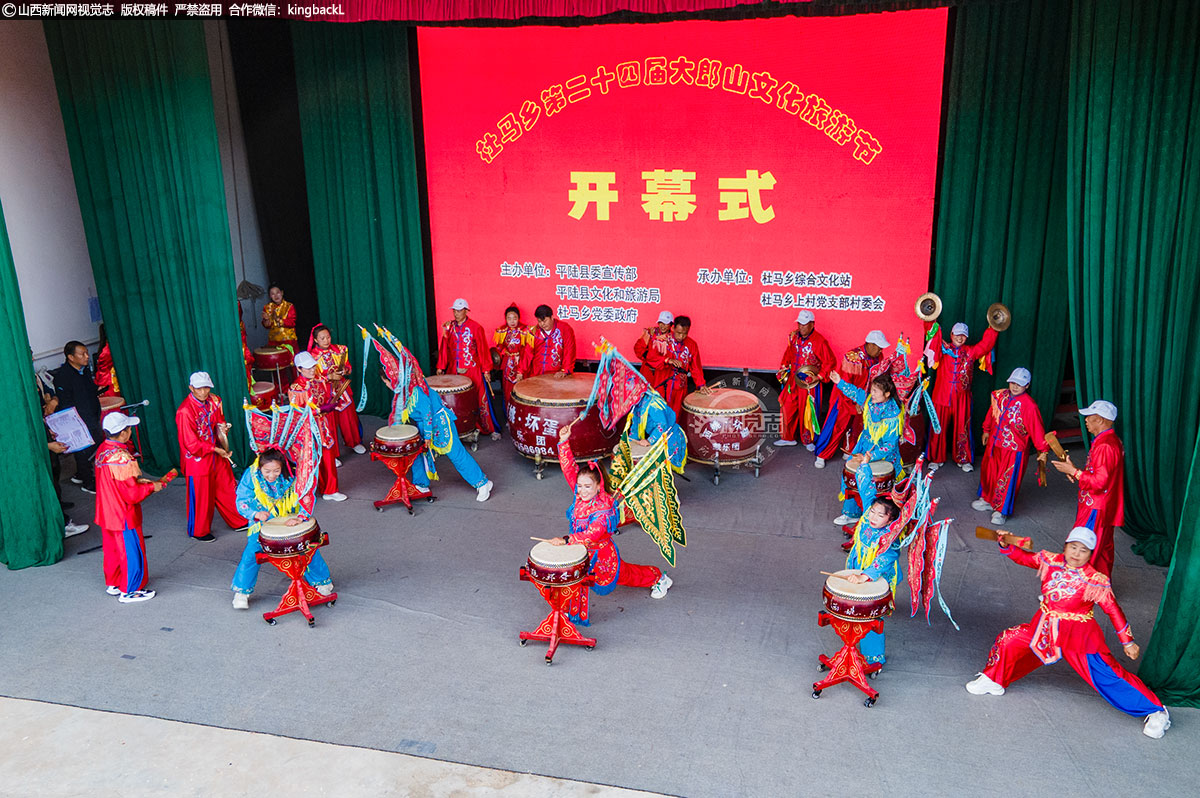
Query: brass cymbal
{"points": [[929, 306], [999, 317]]}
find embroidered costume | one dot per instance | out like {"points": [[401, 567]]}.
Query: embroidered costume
{"points": [[280, 320], [670, 380], [464, 351], [952, 397], [119, 516], [865, 555], [883, 425], [855, 369], [316, 391], [642, 348], [210, 482], [515, 347], [799, 404], [1102, 496], [1012, 423], [553, 351], [343, 417]]}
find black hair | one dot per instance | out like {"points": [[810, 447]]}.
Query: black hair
{"points": [[683, 321], [513, 309], [884, 383], [320, 328], [274, 285], [271, 456], [543, 312], [71, 346], [595, 475], [887, 504]]}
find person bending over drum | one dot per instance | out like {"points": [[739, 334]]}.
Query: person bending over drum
{"points": [[594, 518], [883, 424], [865, 555], [264, 493]]}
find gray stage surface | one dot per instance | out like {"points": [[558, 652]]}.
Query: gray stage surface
{"points": [[705, 693]]}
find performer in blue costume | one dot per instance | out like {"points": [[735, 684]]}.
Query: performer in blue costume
{"points": [[883, 426], [866, 556]]}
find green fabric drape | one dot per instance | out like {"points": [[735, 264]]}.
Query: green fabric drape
{"points": [[137, 107], [31, 522], [1001, 227], [360, 164]]}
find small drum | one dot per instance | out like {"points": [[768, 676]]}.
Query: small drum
{"points": [[280, 540], [883, 473], [558, 566], [541, 406], [275, 361], [857, 602], [263, 395], [458, 393], [398, 440], [110, 404], [726, 424]]}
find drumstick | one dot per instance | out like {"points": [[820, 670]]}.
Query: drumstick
{"points": [[984, 533], [541, 540]]}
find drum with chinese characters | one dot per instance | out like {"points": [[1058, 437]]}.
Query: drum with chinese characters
{"points": [[263, 394], [280, 540], [110, 404], [725, 425], [541, 406], [277, 362], [558, 566], [854, 601], [397, 440], [882, 473], [458, 393]]}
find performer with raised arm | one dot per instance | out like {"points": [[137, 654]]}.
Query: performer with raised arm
{"points": [[1013, 422], [279, 318], [653, 338], [673, 364], [1101, 482], [883, 425], [206, 459], [806, 364], [513, 343], [955, 364], [333, 366], [464, 351], [855, 367], [553, 345]]}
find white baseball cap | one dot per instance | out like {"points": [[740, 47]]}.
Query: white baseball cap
{"points": [[460, 304], [1100, 408], [1020, 376], [1081, 534], [200, 379], [878, 338], [960, 329], [115, 422], [666, 317], [806, 317], [305, 360]]}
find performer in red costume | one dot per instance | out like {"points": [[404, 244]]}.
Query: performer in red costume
{"points": [[674, 363], [106, 372], [513, 344], [593, 518], [653, 338], [279, 317], [464, 351], [119, 493], [333, 366], [1013, 422], [553, 345], [1065, 628], [806, 349], [955, 364], [855, 368], [311, 389], [1101, 482], [206, 460]]}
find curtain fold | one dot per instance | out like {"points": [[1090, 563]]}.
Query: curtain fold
{"points": [[356, 121], [137, 107], [31, 522]]}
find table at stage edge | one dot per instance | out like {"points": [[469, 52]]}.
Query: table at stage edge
{"points": [[300, 595], [848, 664], [403, 491], [557, 627]]}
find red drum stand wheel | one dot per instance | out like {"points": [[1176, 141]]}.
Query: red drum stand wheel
{"points": [[848, 665], [300, 595], [557, 627], [402, 490]]}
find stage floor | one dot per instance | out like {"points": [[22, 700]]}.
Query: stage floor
{"points": [[704, 693]]}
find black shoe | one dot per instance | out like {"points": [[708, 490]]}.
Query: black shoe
{"points": [[88, 489], [208, 537]]}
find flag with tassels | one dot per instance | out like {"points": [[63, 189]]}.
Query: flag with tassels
{"points": [[648, 494], [294, 431]]}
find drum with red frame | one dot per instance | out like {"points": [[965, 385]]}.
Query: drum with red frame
{"points": [[883, 474], [397, 440], [110, 404], [854, 601], [458, 393], [277, 362], [263, 394], [280, 540], [541, 406], [558, 566], [725, 425]]}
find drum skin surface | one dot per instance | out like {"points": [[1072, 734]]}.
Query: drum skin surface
{"points": [[558, 566], [397, 440], [541, 406], [458, 393], [728, 423], [110, 404], [280, 540], [857, 602]]}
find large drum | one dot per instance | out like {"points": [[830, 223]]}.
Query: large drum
{"points": [[263, 395], [857, 602], [397, 440], [558, 566], [725, 425], [276, 361], [280, 540], [110, 404], [458, 393], [541, 406], [882, 472]]}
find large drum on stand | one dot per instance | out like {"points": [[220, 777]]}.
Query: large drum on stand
{"points": [[558, 566], [275, 362], [541, 406], [458, 393], [280, 540], [724, 427]]}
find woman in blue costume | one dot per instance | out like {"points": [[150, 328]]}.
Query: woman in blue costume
{"points": [[883, 426]]}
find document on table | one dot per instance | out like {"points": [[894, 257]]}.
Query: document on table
{"points": [[69, 428]]}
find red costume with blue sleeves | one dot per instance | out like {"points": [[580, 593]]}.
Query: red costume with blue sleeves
{"points": [[119, 516], [592, 524], [1102, 496], [343, 416], [317, 392], [1012, 423], [210, 481], [669, 380], [515, 347], [464, 350], [813, 352], [855, 368], [1065, 627], [952, 397], [553, 351]]}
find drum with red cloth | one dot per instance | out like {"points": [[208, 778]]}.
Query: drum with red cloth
{"points": [[458, 393], [263, 394], [543, 405]]}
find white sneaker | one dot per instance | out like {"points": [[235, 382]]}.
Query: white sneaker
{"points": [[812, 447], [484, 491], [337, 463], [76, 481], [241, 601], [360, 449], [999, 518], [112, 590], [325, 589], [820, 463], [663, 584], [334, 497], [1156, 724], [495, 436], [966, 467], [934, 467], [984, 686], [845, 456], [73, 528], [844, 520], [982, 505], [784, 442], [136, 596]]}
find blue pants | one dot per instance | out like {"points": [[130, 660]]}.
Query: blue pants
{"points": [[246, 575], [871, 647], [467, 468]]}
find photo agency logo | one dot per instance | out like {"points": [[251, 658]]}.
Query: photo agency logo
{"points": [[745, 432]]}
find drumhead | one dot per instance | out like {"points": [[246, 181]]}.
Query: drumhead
{"points": [[882, 468], [876, 588], [548, 555], [449, 383], [721, 402], [261, 387], [396, 432], [547, 390], [270, 350], [111, 402], [278, 528]]}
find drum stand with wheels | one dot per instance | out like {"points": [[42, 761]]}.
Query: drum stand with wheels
{"points": [[402, 490], [300, 595], [848, 665], [557, 627], [755, 462]]}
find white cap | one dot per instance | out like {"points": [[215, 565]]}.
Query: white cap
{"points": [[1100, 408], [115, 422], [460, 304], [200, 379], [960, 329], [1081, 534], [877, 337], [806, 317], [1020, 376], [666, 317], [305, 360]]}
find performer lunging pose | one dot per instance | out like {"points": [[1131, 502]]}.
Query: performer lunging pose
{"points": [[1013, 422], [1065, 627], [883, 424], [874, 564], [1101, 482]]}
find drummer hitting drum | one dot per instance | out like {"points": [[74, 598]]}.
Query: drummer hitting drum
{"points": [[872, 563], [883, 424]]}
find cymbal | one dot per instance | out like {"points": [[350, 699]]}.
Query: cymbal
{"points": [[929, 306], [999, 317]]}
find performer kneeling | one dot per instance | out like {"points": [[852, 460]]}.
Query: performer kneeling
{"points": [[866, 556], [883, 424], [262, 494], [1065, 627], [593, 518]]}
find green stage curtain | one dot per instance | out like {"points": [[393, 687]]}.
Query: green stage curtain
{"points": [[31, 522], [137, 106], [1001, 227], [356, 121]]}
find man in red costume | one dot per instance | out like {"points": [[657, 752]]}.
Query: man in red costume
{"points": [[464, 350], [653, 338], [119, 493], [333, 366], [553, 345], [1013, 422], [805, 364], [1101, 482], [205, 459], [311, 389], [673, 364], [855, 368], [1065, 628], [955, 364]]}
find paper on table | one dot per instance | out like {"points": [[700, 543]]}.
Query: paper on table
{"points": [[69, 428]]}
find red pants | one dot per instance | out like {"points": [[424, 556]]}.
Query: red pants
{"points": [[956, 432], [216, 489], [791, 405], [634, 575], [485, 415], [1000, 476], [327, 478], [124, 559], [346, 423]]}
